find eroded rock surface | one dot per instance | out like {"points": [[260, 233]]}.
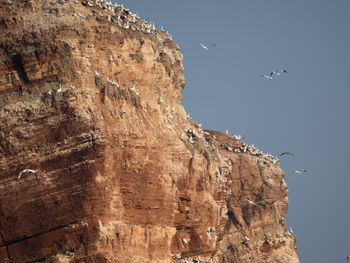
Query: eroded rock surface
{"points": [[90, 98]]}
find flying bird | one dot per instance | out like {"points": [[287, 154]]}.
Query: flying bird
{"points": [[275, 73], [207, 47], [348, 258], [25, 171], [251, 202], [299, 171], [287, 153], [266, 77]]}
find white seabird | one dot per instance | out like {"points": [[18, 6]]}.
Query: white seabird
{"points": [[299, 171], [26, 171], [207, 47], [251, 202], [275, 73], [266, 77]]}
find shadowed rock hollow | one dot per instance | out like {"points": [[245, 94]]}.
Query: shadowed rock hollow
{"points": [[90, 98]]}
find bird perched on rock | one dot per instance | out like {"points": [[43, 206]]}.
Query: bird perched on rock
{"points": [[251, 202], [59, 89], [207, 47]]}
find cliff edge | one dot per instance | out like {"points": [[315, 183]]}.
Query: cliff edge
{"points": [[90, 99]]}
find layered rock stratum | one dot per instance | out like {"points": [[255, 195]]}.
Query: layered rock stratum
{"points": [[90, 99]]}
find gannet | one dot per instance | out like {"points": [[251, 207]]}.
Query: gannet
{"points": [[278, 73], [266, 77], [25, 171], [81, 15], [207, 47], [275, 73], [300, 171], [238, 137], [115, 84], [251, 202], [287, 153]]}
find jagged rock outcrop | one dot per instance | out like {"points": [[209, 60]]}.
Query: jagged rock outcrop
{"points": [[90, 98]]}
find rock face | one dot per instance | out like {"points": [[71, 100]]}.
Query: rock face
{"points": [[90, 98]]}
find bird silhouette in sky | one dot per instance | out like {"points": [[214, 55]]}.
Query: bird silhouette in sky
{"points": [[266, 77], [287, 153], [299, 171], [207, 47]]}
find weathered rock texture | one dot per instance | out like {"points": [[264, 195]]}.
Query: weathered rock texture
{"points": [[90, 98]]}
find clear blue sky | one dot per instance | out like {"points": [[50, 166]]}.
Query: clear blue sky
{"points": [[306, 111]]}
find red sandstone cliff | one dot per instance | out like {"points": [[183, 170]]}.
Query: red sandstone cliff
{"points": [[90, 98]]}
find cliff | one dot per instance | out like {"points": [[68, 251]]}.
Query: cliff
{"points": [[90, 99]]}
